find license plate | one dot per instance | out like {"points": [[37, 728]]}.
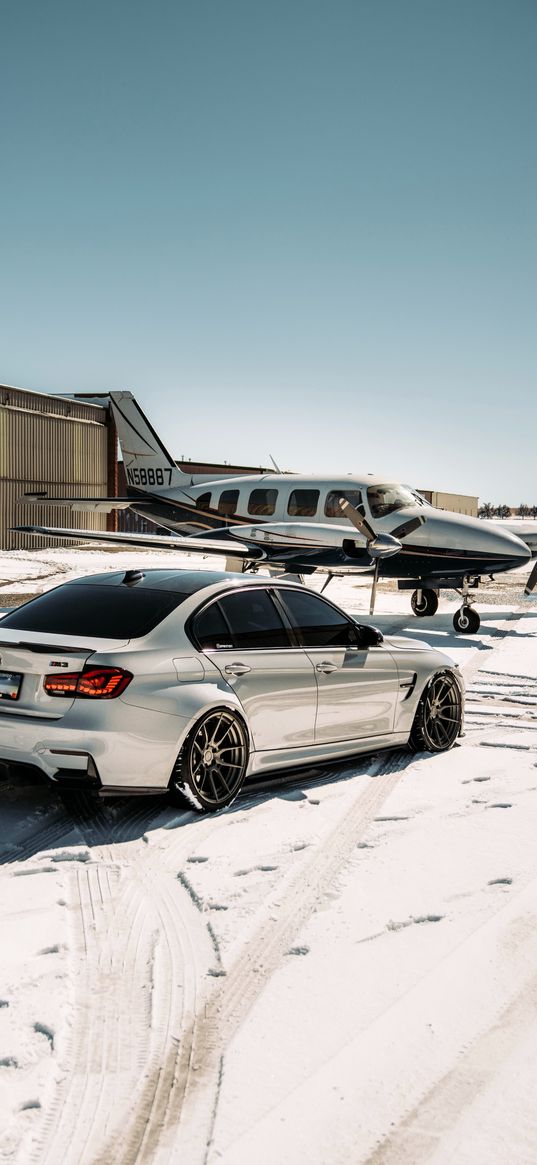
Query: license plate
{"points": [[10, 685]]}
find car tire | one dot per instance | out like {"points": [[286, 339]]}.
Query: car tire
{"points": [[211, 766], [438, 718]]}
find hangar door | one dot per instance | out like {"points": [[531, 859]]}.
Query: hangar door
{"points": [[55, 444]]}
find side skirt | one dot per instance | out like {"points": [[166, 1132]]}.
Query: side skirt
{"points": [[262, 762]]}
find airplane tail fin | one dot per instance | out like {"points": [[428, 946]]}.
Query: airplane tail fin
{"points": [[147, 461]]}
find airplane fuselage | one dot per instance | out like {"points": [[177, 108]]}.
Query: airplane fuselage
{"points": [[274, 510]]}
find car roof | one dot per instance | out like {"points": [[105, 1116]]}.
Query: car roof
{"points": [[186, 582]]}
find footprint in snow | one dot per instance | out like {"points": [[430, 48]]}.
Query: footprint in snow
{"points": [[298, 951], [500, 805], [65, 856], [9, 1062], [197, 858], [415, 920], [42, 1030], [500, 882], [28, 1104]]}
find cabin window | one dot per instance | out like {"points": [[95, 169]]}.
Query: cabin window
{"points": [[303, 503], [203, 502], [387, 499], [227, 502], [331, 505], [262, 501]]}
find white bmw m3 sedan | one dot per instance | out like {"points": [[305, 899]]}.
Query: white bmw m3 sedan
{"points": [[193, 681]]}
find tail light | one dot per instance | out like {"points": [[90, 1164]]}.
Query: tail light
{"points": [[94, 683]]}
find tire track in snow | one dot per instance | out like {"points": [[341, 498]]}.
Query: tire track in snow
{"points": [[418, 1137], [228, 1004], [142, 947], [144, 1063]]}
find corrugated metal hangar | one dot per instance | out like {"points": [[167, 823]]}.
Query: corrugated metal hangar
{"points": [[52, 443]]}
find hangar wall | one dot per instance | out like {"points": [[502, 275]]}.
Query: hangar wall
{"points": [[49, 443], [456, 503]]}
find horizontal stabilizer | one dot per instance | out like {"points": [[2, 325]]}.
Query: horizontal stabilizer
{"points": [[95, 505]]}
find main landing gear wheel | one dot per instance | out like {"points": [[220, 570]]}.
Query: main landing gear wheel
{"points": [[466, 619], [212, 764], [438, 718], [424, 602]]}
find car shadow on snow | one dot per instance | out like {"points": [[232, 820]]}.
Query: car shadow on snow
{"points": [[39, 819]]}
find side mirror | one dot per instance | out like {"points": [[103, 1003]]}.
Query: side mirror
{"points": [[369, 636]]}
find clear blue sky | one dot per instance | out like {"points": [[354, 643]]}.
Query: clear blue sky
{"points": [[302, 228]]}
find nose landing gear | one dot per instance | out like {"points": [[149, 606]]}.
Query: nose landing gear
{"points": [[466, 619]]}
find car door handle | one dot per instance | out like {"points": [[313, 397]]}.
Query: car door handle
{"points": [[236, 669], [326, 666]]}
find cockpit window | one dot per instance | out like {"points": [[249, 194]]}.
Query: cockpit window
{"points": [[386, 499]]}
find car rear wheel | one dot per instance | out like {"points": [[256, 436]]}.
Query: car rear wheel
{"points": [[437, 722], [211, 766]]}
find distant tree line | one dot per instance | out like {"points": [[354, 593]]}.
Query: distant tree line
{"points": [[487, 510]]}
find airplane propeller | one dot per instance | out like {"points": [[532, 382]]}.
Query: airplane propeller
{"points": [[378, 545], [532, 581]]}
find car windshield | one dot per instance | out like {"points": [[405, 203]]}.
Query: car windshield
{"points": [[108, 612], [386, 499]]}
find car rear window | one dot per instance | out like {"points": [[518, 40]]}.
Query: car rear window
{"points": [[106, 611]]}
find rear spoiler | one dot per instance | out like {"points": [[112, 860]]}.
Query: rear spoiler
{"points": [[45, 648]]}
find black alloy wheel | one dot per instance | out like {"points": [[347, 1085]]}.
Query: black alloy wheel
{"points": [[426, 605], [466, 619], [212, 764], [437, 721]]}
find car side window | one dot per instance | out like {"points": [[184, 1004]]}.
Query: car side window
{"points": [[316, 623], [211, 630], [254, 620]]}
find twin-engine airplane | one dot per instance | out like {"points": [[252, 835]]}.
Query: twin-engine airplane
{"points": [[299, 524]]}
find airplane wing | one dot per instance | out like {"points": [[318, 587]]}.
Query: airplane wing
{"points": [[524, 529], [274, 541], [94, 505], [230, 548]]}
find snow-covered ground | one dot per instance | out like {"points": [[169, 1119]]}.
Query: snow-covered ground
{"points": [[340, 968]]}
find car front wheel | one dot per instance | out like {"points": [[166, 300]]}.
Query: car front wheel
{"points": [[211, 766], [437, 722]]}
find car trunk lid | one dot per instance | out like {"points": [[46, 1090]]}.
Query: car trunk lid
{"points": [[27, 657]]}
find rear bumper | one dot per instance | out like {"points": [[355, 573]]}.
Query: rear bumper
{"points": [[136, 755], [20, 771]]}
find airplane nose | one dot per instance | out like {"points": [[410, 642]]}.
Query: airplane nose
{"points": [[474, 536], [504, 541]]}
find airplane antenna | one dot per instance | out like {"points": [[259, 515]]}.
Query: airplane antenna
{"points": [[275, 464]]}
